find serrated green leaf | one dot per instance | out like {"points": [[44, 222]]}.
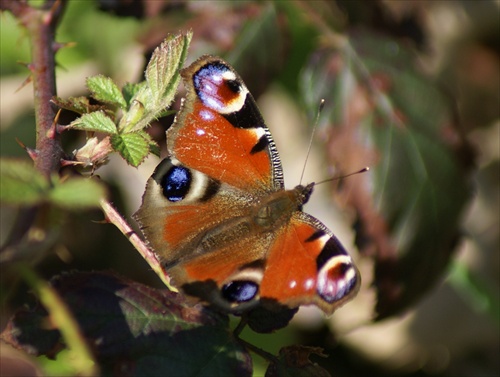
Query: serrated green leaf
{"points": [[21, 183], [130, 90], [162, 71], [77, 193], [153, 145], [165, 113], [133, 147], [162, 76], [104, 89], [154, 148], [96, 121]]}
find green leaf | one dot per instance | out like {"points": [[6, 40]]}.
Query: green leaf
{"points": [[154, 148], [105, 90], [162, 72], [474, 289], [153, 145], [21, 183], [77, 193], [130, 90], [162, 76], [133, 147], [96, 121], [133, 115]]}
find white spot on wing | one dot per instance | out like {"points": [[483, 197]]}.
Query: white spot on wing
{"points": [[258, 132], [206, 115], [228, 75], [309, 283]]}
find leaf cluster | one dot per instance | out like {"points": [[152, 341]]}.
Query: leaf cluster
{"points": [[124, 114]]}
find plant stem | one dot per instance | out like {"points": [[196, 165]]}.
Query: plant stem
{"points": [[41, 24], [149, 256]]}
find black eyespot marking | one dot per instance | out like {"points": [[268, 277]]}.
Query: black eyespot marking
{"points": [[176, 183], [240, 291], [233, 85], [261, 145], [211, 190], [256, 264], [331, 249]]}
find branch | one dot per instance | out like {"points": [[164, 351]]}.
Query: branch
{"points": [[40, 24]]}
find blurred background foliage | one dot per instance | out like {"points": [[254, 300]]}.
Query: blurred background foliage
{"points": [[286, 53]]}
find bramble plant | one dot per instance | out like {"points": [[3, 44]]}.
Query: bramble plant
{"points": [[385, 108]]}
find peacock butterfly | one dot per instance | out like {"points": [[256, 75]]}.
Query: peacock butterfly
{"points": [[217, 214]]}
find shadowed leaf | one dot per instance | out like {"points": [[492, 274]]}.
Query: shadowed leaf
{"points": [[21, 183], [391, 118], [293, 361], [135, 329]]}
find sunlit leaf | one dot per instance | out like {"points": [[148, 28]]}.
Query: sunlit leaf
{"points": [[133, 147], [162, 76], [130, 90], [96, 121], [105, 90], [163, 68]]}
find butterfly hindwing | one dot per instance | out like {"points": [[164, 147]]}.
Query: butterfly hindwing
{"points": [[308, 265]]}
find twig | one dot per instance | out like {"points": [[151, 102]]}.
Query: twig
{"points": [[117, 220]]}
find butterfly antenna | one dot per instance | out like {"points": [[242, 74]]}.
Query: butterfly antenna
{"points": [[318, 113], [365, 169]]}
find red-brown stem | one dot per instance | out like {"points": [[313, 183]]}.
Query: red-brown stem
{"points": [[41, 25]]}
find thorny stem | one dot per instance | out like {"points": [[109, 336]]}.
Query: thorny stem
{"points": [[41, 24]]}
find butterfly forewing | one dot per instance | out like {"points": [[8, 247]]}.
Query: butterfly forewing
{"points": [[220, 131]]}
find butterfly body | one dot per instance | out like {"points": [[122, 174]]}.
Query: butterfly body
{"points": [[216, 211]]}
